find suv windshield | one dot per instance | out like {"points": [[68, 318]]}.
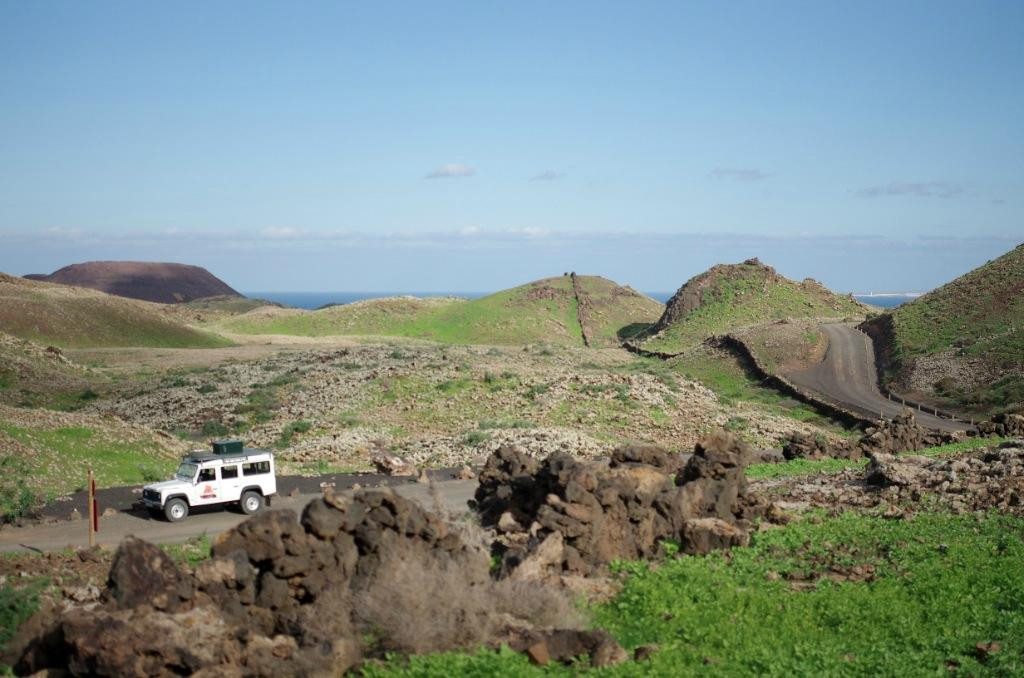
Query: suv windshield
{"points": [[187, 471]]}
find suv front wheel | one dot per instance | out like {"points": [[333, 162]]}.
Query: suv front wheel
{"points": [[176, 510], [251, 502]]}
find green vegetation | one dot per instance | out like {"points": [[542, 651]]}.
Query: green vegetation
{"points": [[726, 377], [72, 317], [16, 497], [793, 603], [214, 429], [62, 457], [16, 606], [808, 467], [545, 310], [191, 552], [979, 315], [739, 295], [289, 432]]}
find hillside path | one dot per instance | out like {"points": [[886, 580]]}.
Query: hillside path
{"points": [[211, 521], [847, 375]]}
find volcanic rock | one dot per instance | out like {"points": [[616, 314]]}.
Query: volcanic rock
{"points": [[150, 281], [621, 510]]}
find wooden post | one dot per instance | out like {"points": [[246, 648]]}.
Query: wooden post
{"points": [[92, 509]]}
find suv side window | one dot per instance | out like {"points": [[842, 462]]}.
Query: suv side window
{"points": [[256, 468], [207, 475], [228, 472]]}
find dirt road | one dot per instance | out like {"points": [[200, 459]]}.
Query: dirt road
{"points": [[847, 375], [54, 537]]}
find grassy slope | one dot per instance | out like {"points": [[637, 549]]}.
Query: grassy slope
{"points": [[396, 316], [982, 312], [748, 294], [542, 311], [60, 457], [72, 317], [616, 310]]}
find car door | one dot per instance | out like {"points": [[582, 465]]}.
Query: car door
{"points": [[230, 482], [207, 491]]}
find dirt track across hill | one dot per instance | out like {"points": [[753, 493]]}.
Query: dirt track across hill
{"points": [[847, 375]]}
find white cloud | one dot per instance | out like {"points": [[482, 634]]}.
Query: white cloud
{"points": [[920, 189], [547, 175], [738, 174], [283, 233], [451, 170]]}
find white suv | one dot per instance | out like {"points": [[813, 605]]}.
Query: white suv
{"points": [[229, 474]]}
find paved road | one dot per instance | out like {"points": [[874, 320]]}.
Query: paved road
{"points": [[212, 521], [847, 375]]}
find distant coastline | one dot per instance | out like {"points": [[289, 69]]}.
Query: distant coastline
{"points": [[314, 300]]}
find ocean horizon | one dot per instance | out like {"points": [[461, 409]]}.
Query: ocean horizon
{"points": [[315, 300]]}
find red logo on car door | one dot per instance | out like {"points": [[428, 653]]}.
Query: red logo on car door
{"points": [[208, 492]]}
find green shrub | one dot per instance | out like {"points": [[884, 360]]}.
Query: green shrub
{"points": [[16, 606], [16, 497], [504, 423], [736, 424], [213, 428], [150, 474], [349, 420], [290, 430], [537, 390], [474, 438]]}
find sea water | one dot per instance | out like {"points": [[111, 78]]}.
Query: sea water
{"points": [[312, 300]]}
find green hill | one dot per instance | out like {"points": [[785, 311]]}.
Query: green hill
{"points": [[75, 317], [542, 311], [963, 342], [729, 296]]}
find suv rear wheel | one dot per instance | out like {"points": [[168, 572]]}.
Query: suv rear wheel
{"points": [[176, 510], [251, 502]]}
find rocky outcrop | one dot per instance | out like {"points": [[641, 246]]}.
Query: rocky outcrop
{"points": [[273, 599], [289, 596], [805, 446], [1003, 425], [150, 281], [901, 434], [690, 296], [887, 437], [901, 485], [620, 510]]}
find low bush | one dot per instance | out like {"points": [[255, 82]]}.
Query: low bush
{"points": [[212, 428], [290, 430], [16, 497], [416, 607]]}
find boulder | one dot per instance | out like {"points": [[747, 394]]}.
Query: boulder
{"points": [[567, 646], [142, 574], [393, 465], [622, 510]]}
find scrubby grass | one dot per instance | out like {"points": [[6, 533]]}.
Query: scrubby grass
{"points": [[64, 455], [289, 431], [191, 552], [808, 467], [75, 318], [543, 311], [726, 377], [16, 606], [746, 294], [942, 584], [978, 315]]}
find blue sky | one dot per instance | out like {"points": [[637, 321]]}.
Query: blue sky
{"points": [[473, 146]]}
